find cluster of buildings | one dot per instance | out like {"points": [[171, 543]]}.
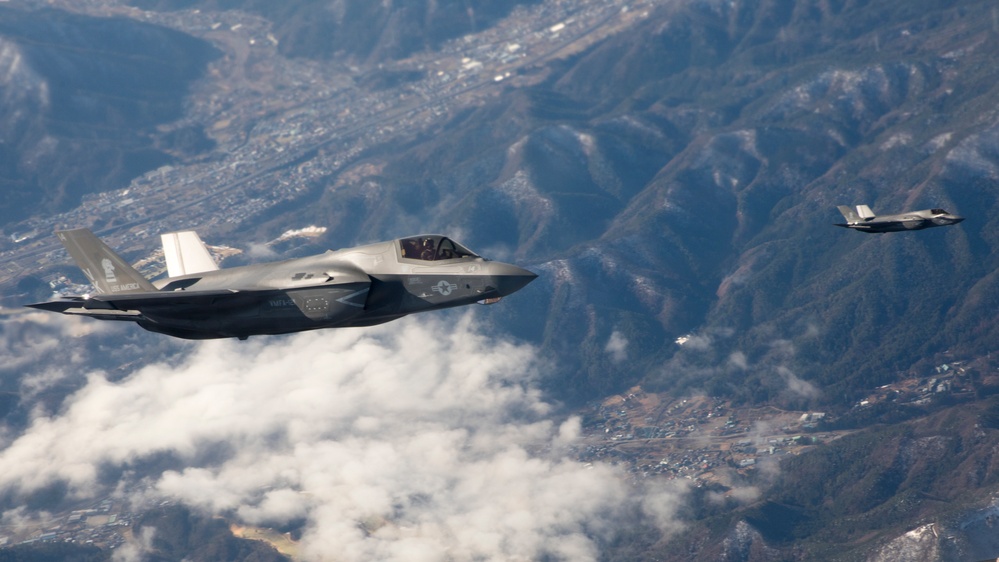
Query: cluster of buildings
{"points": [[698, 438], [101, 525], [705, 439], [947, 380]]}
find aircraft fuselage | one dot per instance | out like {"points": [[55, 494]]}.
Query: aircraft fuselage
{"points": [[865, 221], [360, 286]]}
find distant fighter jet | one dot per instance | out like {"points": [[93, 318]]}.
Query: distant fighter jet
{"points": [[864, 220], [360, 286]]}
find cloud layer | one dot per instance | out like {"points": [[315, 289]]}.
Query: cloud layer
{"points": [[418, 440]]}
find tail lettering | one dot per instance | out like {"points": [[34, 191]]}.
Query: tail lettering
{"points": [[106, 270]]}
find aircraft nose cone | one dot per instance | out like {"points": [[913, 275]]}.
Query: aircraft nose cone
{"points": [[957, 219], [510, 278]]}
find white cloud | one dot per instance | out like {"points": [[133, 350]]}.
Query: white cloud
{"points": [[136, 548], [797, 386], [261, 252], [738, 360], [617, 347], [17, 519], [29, 337], [415, 440], [700, 342]]}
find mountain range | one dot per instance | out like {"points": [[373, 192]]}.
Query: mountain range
{"points": [[81, 101], [678, 180], [683, 177]]}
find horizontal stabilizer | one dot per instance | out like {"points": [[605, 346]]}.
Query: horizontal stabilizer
{"points": [[105, 314], [60, 305], [76, 306]]}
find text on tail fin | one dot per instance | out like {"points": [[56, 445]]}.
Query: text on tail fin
{"points": [[105, 269]]}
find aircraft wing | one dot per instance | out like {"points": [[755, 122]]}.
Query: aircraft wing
{"points": [[128, 306], [135, 301]]}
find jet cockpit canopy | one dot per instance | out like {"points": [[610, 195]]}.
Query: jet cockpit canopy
{"points": [[433, 248]]}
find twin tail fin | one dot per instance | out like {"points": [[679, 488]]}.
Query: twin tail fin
{"points": [[861, 214], [105, 269]]}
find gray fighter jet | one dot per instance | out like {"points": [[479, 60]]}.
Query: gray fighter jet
{"points": [[360, 286], [864, 220]]}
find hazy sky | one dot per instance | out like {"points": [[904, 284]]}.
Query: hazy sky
{"points": [[422, 439]]}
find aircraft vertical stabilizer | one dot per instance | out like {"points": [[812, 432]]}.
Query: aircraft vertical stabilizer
{"points": [[185, 253], [105, 269], [865, 212], [849, 214]]}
